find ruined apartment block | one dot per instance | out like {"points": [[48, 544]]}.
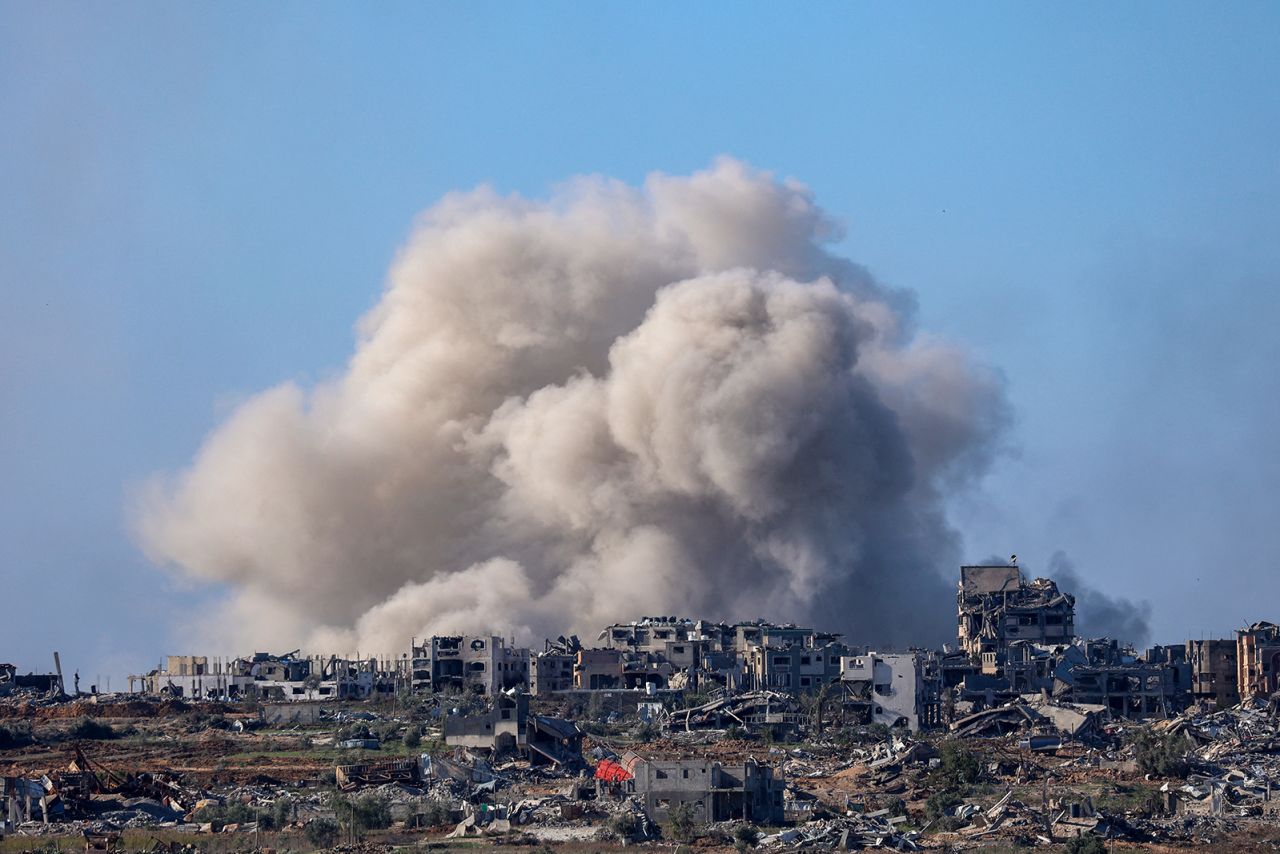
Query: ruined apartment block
{"points": [[1157, 684], [456, 663], [714, 792], [796, 667], [509, 727], [889, 689], [1213, 672], [1258, 660], [998, 607], [552, 669], [290, 677]]}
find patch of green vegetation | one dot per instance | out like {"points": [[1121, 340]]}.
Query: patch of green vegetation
{"points": [[1088, 844], [683, 824], [88, 729], [957, 765], [744, 837], [361, 814], [1119, 798], [322, 832], [624, 826], [16, 735], [232, 812], [1160, 755]]}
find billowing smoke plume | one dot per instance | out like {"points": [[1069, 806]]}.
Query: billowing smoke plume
{"points": [[1100, 615], [663, 400]]}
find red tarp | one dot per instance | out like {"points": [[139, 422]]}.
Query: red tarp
{"points": [[611, 772]]}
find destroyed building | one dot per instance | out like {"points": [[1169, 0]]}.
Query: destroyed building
{"points": [[290, 677], [46, 684], [552, 669], [714, 792], [1213, 672], [997, 607], [890, 689], [800, 664], [1258, 660], [675, 640], [509, 727], [684, 654], [604, 669], [774, 712], [1128, 686], [1018, 637], [483, 664]]}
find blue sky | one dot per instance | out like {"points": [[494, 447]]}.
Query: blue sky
{"points": [[200, 199]]}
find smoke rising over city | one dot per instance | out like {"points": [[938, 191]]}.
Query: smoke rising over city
{"points": [[665, 399], [1100, 615]]}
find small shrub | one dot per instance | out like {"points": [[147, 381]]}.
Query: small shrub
{"points": [[282, 812], [15, 735], [684, 827], [413, 736], [436, 813], [232, 812], [87, 729], [1088, 844], [1160, 755], [624, 826], [322, 832], [367, 812], [939, 803], [744, 837], [354, 731], [958, 766]]}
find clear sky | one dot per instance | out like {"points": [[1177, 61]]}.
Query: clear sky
{"points": [[198, 200]]}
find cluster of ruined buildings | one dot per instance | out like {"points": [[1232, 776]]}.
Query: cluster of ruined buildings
{"points": [[1015, 637]]}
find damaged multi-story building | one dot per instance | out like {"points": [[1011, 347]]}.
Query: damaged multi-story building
{"points": [[1213, 672], [552, 669], [675, 640], [288, 677], [890, 688], [681, 653], [1258, 660], [997, 607], [509, 727], [1156, 684], [712, 791], [485, 664], [1017, 637]]}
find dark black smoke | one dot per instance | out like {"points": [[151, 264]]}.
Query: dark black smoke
{"points": [[1100, 615]]}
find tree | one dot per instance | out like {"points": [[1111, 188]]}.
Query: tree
{"points": [[624, 826], [1087, 844], [684, 827], [957, 765], [357, 815], [1160, 755], [322, 832]]}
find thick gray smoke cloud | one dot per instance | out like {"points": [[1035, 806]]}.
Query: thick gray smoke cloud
{"points": [[1100, 615], [623, 401]]}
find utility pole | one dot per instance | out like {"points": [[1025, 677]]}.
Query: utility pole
{"points": [[1044, 803]]}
